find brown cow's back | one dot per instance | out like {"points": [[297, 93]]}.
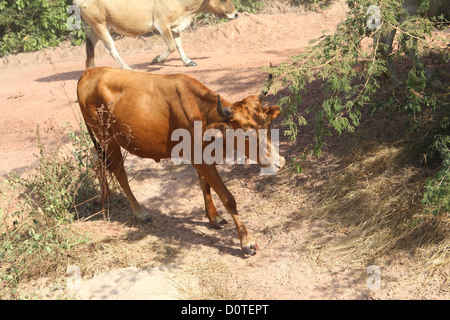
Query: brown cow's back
{"points": [[147, 106]]}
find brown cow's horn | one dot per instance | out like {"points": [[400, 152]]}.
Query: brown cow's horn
{"points": [[223, 112]]}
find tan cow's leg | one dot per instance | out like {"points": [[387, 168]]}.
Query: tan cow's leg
{"points": [[212, 177], [187, 62], [173, 40], [215, 220], [166, 33], [104, 34]]}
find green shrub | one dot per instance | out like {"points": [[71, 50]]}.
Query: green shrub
{"points": [[352, 76], [30, 25], [31, 245], [252, 6], [56, 185], [37, 211], [437, 188]]}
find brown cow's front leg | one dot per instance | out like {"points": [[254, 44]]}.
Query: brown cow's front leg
{"points": [[211, 176], [215, 220]]}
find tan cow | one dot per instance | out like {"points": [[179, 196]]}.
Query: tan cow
{"points": [[141, 111], [136, 17]]}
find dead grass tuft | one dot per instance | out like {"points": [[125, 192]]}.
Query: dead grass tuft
{"points": [[373, 203], [210, 284]]}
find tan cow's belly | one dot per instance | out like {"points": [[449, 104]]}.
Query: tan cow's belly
{"points": [[132, 30]]}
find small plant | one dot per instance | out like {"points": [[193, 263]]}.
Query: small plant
{"points": [[35, 232], [54, 187], [31, 244], [437, 188], [102, 141], [251, 6]]}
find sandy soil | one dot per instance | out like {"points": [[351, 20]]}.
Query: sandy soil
{"points": [[39, 89]]}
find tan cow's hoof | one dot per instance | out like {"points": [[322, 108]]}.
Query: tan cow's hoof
{"points": [[191, 64], [155, 60], [146, 219]]}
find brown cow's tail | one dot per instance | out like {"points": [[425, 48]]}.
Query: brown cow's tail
{"points": [[98, 148]]}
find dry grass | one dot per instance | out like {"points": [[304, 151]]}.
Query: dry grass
{"points": [[372, 204], [209, 283]]}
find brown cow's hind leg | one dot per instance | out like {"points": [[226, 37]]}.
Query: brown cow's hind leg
{"points": [[115, 165]]}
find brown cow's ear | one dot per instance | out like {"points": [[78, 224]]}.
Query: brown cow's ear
{"points": [[273, 112]]}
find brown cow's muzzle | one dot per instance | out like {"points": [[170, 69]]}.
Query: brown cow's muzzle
{"points": [[280, 164], [274, 166], [233, 15]]}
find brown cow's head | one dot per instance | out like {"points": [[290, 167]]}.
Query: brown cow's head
{"points": [[222, 8], [255, 121]]}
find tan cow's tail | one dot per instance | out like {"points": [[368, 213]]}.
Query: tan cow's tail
{"points": [[89, 51]]}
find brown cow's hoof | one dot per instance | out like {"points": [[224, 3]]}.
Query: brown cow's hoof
{"points": [[219, 225], [191, 64], [144, 217], [250, 250]]}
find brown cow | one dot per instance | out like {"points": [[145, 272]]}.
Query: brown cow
{"points": [[140, 112], [136, 17]]}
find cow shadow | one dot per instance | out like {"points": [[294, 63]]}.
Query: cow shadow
{"points": [[63, 76], [144, 66], [174, 62], [227, 82], [175, 207]]}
